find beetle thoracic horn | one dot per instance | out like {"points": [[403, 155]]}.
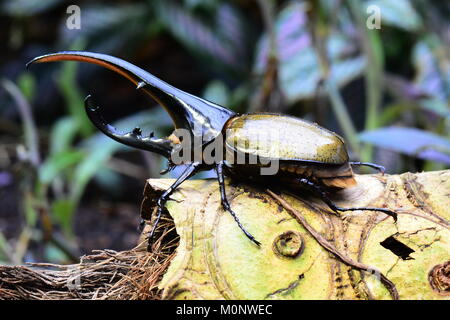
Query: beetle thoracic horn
{"points": [[133, 138], [187, 111]]}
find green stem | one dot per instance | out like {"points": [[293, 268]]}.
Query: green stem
{"points": [[372, 47], [340, 110], [319, 30]]}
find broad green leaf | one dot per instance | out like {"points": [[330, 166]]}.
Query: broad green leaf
{"points": [[57, 163], [63, 210], [204, 38], [4, 249], [299, 70], [217, 92], [72, 96], [54, 254], [432, 75], [27, 8], [27, 84], [108, 27], [414, 142], [62, 134]]}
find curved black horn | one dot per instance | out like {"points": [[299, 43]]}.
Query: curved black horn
{"points": [[133, 138], [187, 111]]}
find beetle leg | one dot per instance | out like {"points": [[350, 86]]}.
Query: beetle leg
{"points": [[368, 164], [226, 205], [322, 194], [192, 169], [169, 168]]}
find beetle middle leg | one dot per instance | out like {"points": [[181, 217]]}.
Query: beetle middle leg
{"points": [[226, 205], [322, 194], [189, 172]]}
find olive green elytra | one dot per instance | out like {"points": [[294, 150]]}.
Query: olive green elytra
{"points": [[284, 138]]}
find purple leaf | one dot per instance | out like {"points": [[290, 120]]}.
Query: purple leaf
{"points": [[414, 142]]}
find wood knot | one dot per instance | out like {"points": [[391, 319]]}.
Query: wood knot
{"points": [[289, 244]]}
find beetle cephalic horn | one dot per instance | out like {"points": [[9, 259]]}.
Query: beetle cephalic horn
{"points": [[187, 111]]}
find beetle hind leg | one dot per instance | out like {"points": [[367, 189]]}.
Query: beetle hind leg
{"points": [[226, 204], [322, 194]]}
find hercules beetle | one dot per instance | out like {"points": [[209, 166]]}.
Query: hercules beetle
{"points": [[309, 156]]}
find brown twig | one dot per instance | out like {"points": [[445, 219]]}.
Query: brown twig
{"points": [[332, 249]]}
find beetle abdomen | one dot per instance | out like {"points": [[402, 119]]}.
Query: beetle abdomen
{"points": [[280, 137], [341, 177], [331, 176]]}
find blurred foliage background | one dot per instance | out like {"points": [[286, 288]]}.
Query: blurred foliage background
{"points": [[65, 189]]}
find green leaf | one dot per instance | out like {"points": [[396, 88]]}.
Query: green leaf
{"points": [[299, 70], [62, 134], [217, 92], [27, 84], [109, 27], [54, 254], [63, 210], [27, 8], [414, 142], [73, 97], [57, 163], [202, 37]]}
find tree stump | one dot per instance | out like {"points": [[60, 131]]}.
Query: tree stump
{"points": [[307, 251]]}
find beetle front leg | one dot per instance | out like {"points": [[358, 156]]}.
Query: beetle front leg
{"points": [[322, 194], [226, 205], [192, 169]]}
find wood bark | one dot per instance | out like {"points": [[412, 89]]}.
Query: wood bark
{"points": [[307, 251]]}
